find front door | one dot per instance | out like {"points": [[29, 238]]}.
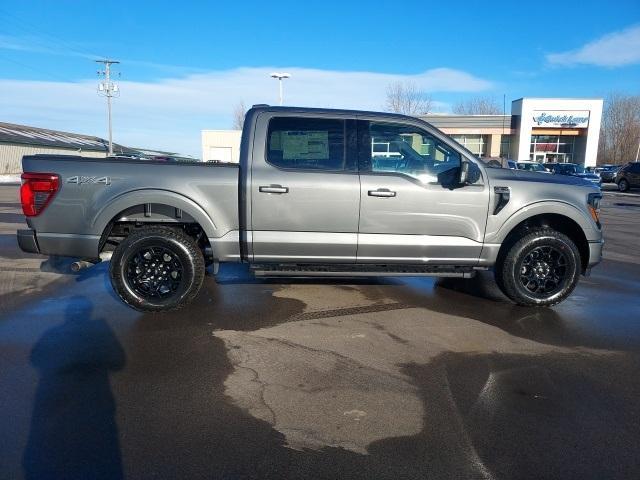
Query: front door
{"points": [[305, 190], [412, 208]]}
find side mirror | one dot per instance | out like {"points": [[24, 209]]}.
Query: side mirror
{"points": [[464, 172]]}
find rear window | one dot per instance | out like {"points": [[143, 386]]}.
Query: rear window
{"points": [[306, 143]]}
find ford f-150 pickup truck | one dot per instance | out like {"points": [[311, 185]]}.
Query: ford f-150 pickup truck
{"points": [[317, 192]]}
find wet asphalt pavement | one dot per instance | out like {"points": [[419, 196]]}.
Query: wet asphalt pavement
{"points": [[373, 378]]}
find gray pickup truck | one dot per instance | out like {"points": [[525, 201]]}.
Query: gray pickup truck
{"points": [[317, 192]]}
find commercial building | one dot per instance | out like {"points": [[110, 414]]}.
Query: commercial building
{"points": [[19, 140], [539, 129], [221, 145]]}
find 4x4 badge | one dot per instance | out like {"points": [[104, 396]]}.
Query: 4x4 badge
{"points": [[80, 180]]}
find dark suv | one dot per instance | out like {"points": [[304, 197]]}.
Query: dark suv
{"points": [[628, 176], [574, 170]]}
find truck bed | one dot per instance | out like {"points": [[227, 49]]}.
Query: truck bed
{"points": [[94, 193]]}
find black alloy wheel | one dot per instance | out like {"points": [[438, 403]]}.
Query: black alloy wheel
{"points": [[157, 269], [154, 272], [541, 268]]}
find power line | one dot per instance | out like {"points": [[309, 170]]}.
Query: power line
{"points": [[40, 34], [54, 76]]}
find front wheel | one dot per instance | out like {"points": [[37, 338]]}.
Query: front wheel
{"points": [[541, 269], [623, 185], [157, 268]]}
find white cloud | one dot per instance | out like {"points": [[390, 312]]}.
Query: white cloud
{"points": [[612, 50], [170, 113]]}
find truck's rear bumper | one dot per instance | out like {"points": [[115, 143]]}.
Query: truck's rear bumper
{"points": [[61, 244], [27, 241]]}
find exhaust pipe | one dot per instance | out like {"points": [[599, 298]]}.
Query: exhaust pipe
{"points": [[81, 264], [89, 262]]}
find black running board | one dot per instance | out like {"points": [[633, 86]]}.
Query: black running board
{"points": [[361, 270]]}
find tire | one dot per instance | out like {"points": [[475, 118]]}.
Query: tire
{"points": [[540, 269], [174, 267], [623, 185]]}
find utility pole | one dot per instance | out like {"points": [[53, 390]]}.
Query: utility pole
{"points": [[280, 77], [108, 89]]}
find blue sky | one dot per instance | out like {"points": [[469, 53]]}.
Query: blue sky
{"points": [[186, 65]]}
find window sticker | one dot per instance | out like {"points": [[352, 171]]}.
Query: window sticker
{"points": [[275, 141], [308, 144]]}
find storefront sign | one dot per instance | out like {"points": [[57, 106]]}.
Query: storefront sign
{"points": [[561, 118]]}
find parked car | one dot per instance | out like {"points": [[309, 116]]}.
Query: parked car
{"points": [[512, 164], [310, 197], [574, 170], [628, 176], [608, 173], [532, 167]]}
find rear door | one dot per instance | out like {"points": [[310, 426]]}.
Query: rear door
{"points": [[305, 190], [413, 210]]}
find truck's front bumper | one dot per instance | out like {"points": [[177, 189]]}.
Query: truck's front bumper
{"points": [[595, 252], [27, 241]]}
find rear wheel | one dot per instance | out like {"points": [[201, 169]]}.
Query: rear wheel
{"points": [[540, 269], [623, 185], [157, 268]]}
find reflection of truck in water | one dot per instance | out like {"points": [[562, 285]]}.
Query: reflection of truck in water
{"points": [[315, 194]]}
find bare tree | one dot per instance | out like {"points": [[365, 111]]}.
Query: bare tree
{"points": [[620, 131], [408, 99], [478, 106], [239, 112]]}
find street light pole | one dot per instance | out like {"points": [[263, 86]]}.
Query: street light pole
{"points": [[638, 151], [280, 77]]}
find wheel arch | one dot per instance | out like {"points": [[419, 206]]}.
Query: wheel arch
{"points": [[152, 207], [559, 222]]}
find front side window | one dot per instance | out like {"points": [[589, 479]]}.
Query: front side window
{"points": [[405, 149], [306, 143]]}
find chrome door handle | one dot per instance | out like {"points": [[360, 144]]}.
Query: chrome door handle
{"points": [[382, 192], [273, 189]]}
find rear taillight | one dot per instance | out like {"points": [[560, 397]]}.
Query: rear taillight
{"points": [[36, 191]]}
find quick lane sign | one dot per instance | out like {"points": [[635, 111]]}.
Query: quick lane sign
{"points": [[561, 118]]}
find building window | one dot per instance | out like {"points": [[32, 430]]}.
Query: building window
{"points": [[477, 144], [551, 148], [505, 146]]}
